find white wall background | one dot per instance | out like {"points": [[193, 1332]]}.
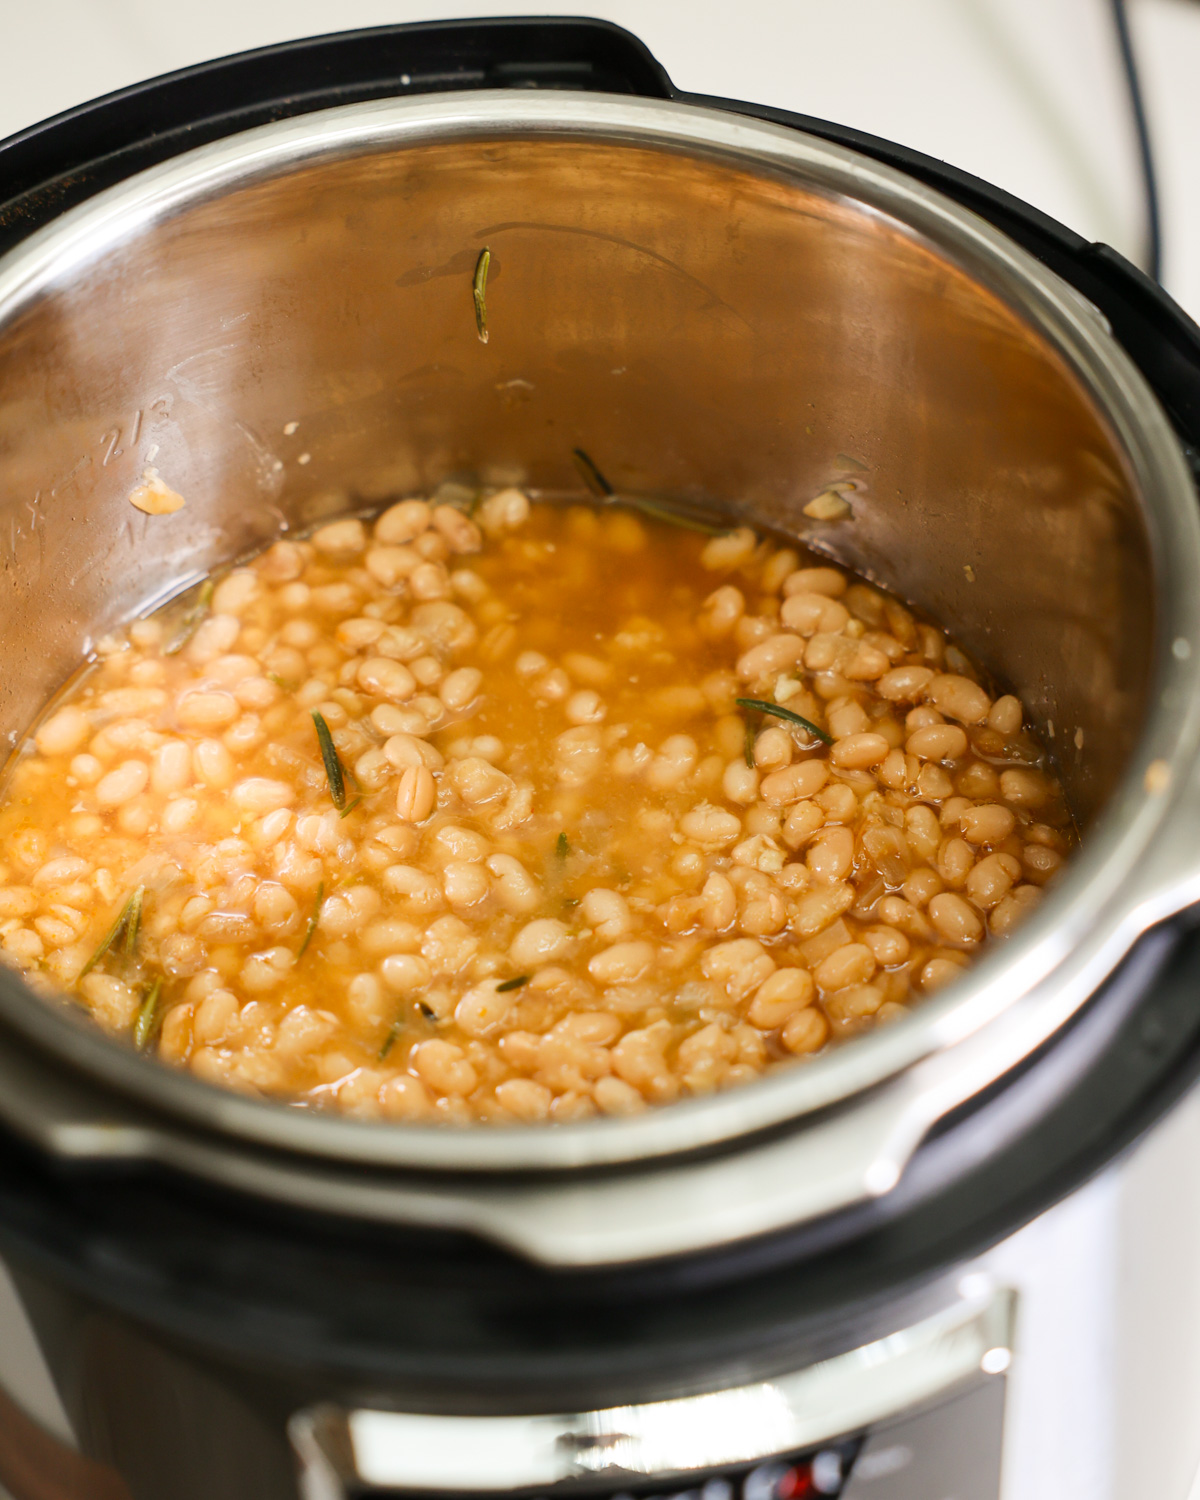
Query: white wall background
{"points": [[1024, 92]]}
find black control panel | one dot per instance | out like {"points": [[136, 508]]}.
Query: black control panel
{"points": [[820, 1474], [811, 1476]]}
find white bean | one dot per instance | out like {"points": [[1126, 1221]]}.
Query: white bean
{"points": [[63, 733], [540, 942], [622, 963], [129, 779]]}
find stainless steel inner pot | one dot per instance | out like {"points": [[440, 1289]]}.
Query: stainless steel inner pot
{"points": [[714, 308]]}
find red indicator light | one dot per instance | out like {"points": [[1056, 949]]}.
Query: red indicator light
{"points": [[796, 1484]]}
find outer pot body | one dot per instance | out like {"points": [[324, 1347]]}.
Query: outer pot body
{"points": [[713, 313], [1094, 1407], [717, 310]]}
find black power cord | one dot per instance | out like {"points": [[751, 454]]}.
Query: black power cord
{"points": [[1153, 251]]}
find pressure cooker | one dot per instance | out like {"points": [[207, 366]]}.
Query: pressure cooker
{"points": [[816, 1284]]}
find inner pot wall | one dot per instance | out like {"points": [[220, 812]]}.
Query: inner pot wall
{"points": [[700, 329]]}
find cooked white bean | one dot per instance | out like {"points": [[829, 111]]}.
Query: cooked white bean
{"points": [[444, 1067], [805, 1031], [340, 538], [416, 795], [540, 942], [483, 1009], [959, 698], [779, 996], [794, 783], [622, 963], [506, 511], [460, 532], [586, 707], [404, 972], [858, 751], [460, 688], [528, 1100], [710, 826], [384, 678], [729, 551], [954, 920], [403, 522], [465, 882], [258, 795], [608, 912], [574, 872], [212, 764], [123, 784], [64, 732], [826, 581]]}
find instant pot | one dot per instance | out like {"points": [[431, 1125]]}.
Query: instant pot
{"points": [[885, 1274]]}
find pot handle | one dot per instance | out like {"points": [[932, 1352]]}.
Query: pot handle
{"points": [[572, 52]]}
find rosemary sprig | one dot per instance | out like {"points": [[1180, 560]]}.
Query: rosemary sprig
{"points": [[784, 713], [479, 289], [147, 1017], [670, 517], [655, 509], [592, 476], [129, 942], [562, 846], [119, 927], [312, 921], [333, 766], [191, 621], [389, 1040], [512, 984]]}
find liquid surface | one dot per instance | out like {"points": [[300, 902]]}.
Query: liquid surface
{"points": [[566, 871]]}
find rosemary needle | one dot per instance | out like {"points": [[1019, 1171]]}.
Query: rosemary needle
{"points": [[191, 621], [312, 921], [349, 808], [748, 744], [389, 1040], [671, 517], [784, 713], [147, 1016], [592, 476], [512, 984], [600, 487], [563, 846], [333, 766], [115, 931], [479, 289], [129, 943]]}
